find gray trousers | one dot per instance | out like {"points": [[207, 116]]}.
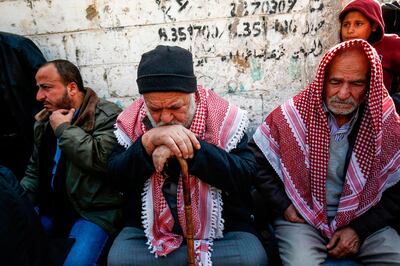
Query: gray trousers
{"points": [[236, 248], [302, 244]]}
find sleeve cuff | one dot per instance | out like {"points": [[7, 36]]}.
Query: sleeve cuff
{"points": [[60, 129], [360, 229], [140, 151]]}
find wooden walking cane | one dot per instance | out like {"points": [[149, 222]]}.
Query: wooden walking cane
{"points": [[188, 210]]}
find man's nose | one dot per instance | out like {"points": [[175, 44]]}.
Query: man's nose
{"points": [[350, 29], [344, 92], [40, 96], [166, 116]]}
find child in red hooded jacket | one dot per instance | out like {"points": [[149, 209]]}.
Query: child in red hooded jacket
{"points": [[362, 19]]}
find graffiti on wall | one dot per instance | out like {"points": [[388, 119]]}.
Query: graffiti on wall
{"points": [[268, 7], [252, 21], [254, 39]]}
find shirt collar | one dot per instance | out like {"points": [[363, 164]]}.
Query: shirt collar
{"points": [[335, 130]]}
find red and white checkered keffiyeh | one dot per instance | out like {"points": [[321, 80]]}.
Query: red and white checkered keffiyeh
{"points": [[216, 121], [295, 140]]}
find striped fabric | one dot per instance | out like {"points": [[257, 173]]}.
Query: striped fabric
{"points": [[337, 132], [295, 140], [216, 121]]}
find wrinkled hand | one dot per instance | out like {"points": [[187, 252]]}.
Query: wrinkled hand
{"points": [[291, 215], [160, 156], [61, 116], [345, 242], [180, 140]]}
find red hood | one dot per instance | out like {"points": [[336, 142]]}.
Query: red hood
{"points": [[372, 10]]}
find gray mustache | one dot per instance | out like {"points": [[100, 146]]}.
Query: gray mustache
{"points": [[335, 99]]}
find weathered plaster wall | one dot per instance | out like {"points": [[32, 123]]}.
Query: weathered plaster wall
{"points": [[256, 53]]}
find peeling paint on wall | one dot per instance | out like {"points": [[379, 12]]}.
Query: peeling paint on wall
{"points": [[91, 12]]}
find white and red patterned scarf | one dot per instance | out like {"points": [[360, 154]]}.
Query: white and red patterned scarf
{"points": [[216, 121], [295, 140]]}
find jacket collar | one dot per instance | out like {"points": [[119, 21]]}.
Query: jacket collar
{"points": [[86, 116]]}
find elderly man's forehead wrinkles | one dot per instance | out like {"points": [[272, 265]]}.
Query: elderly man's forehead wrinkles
{"points": [[342, 59], [176, 104], [351, 51], [167, 100], [164, 104]]}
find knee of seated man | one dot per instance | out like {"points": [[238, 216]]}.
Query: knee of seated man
{"points": [[252, 251], [8, 179], [303, 255], [255, 257], [386, 239]]}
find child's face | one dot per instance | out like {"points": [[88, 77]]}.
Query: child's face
{"points": [[356, 26]]}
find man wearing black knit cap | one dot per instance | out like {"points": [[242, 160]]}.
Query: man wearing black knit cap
{"points": [[177, 118]]}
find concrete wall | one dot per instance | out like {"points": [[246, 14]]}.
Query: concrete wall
{"points": [[256, 53]]}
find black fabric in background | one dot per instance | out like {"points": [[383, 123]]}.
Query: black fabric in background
{"points": [[20, 59], [22, 240]]}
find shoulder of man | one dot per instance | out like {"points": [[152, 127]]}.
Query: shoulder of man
{"points": [[17, 42], [11, 39], [108, 108]]}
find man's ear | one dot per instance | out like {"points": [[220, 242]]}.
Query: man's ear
{"points": [[72, 89]]}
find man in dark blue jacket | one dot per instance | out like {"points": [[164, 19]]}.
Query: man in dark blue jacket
{"points": [[177, 118]]}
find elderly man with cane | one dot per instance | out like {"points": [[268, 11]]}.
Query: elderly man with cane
{"points": [[175, 118]]}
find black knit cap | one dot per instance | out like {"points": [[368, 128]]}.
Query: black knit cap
{"points": [[166, 68]]}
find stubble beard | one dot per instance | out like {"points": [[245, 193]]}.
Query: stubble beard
{"points": [[64, 103]]}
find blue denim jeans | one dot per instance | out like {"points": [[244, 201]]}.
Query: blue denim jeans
{"points": [[90, 240], [340, 262]]}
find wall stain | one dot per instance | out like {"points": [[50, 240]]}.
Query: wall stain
{"points": [[64, 41], [294, 69], [240, 62], [91, 12], [255, 70], [231, 87], [240, 9], [233, 27]]}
